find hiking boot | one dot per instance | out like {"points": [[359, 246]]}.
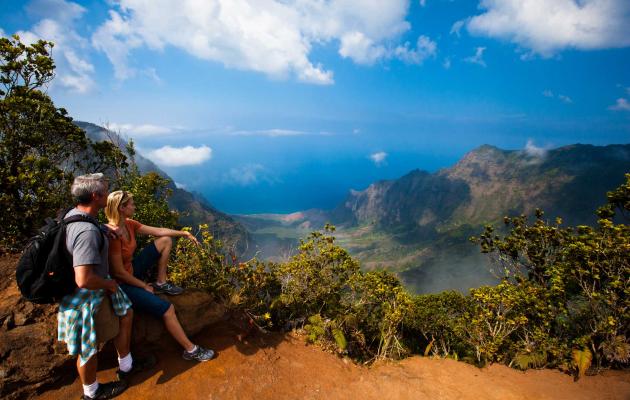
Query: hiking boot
{"points": [[167, 288], [139, 364], [200, 354], [107, 390]]}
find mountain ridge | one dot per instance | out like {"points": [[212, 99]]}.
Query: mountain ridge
{"points": [[490, 172]]}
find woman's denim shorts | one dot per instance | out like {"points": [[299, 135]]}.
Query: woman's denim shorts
{"points": [[142, 300]]}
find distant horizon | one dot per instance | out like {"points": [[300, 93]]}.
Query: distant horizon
{"points": [[334, 199]]}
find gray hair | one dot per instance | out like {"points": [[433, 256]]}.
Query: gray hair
{"points": [[84, 185]]}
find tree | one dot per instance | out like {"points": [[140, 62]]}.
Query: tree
{"points": [[38, 141], [40, 148]]}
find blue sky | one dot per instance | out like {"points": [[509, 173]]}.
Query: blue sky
{"points": [[278, 106]]}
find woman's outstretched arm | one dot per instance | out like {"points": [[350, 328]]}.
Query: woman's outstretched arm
{"points": [[159, 232]]}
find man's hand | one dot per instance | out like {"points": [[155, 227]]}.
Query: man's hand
{"points": [[113, 233], [111, 285], [148, 288]]}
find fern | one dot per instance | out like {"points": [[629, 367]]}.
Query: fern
{"points": [[582, 360], [525, 361], [340, 339]]}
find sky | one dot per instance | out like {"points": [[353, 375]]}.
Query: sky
{"points": [[285, 105]]}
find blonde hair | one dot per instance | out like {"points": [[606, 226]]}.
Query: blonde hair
{"points": [[114, 201]]}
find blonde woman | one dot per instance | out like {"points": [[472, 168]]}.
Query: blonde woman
{"points": [[131, 271]]}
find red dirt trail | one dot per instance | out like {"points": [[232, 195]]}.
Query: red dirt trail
{"points": [[276, 366]]}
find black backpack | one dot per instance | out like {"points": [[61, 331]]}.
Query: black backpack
{"points": [[44, 273]]}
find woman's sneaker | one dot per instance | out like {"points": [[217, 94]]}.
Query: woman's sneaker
{"points": [[199, 354], [168, 288]]}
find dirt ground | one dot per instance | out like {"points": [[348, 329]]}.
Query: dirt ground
{"points": [[276, 366]]}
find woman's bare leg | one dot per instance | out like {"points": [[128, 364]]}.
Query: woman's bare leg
{"points": [[175, 329], [164, 246]]}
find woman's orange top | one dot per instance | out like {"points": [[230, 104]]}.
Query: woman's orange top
{"points": [[126, 247]]}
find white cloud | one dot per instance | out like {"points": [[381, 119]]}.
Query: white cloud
{"points": [[270, 133], [58, 10], [274, 37], [246, 175], [447, 63], [546, 27], [116, 38], [534, 151], [180, 156], [425, 48], [423, 3], [457, 28], [565, 98], [562, 97], [361, 49], [140, 130], [379, 158], [73, 69], [620, 105], [477, 58], [152, 74]]}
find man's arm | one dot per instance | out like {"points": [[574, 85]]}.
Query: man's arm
{"points": [[85, 278]]}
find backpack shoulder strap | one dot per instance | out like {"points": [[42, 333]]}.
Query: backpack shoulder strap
{"points": [[84, 218]]}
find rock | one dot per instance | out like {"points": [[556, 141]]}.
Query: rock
{"points": [[27, 352], [7, 322], [21, 318], [195, 310]]}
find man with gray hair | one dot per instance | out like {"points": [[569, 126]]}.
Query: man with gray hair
{"points": [[88, 245]]}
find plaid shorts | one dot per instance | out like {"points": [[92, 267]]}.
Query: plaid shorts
{"points": [[75, 320]]}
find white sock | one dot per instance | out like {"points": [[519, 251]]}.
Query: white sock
{"points": [[125, 363], [193, 349], [90, 390]]}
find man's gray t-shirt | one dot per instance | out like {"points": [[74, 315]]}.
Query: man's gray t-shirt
{"points": [[83, 240]]}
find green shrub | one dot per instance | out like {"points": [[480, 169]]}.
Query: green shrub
{"points": [[250, 287], [376, 305], [435, 323], [314, 280]]}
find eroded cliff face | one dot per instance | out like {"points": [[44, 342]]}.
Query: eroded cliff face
{"points": [[488, 183], [31, 358]]}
